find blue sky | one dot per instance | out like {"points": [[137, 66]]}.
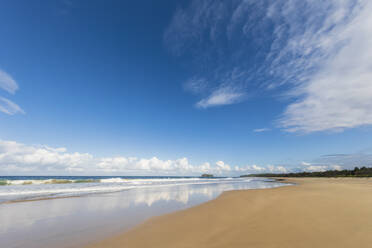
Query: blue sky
{"points": [[184, 87]]}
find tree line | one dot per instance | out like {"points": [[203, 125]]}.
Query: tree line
{"points": [[356, 172]]}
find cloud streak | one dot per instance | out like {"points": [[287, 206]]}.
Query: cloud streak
{"points": [[337, 162], [261, 130], [9, 107], [318, 52], [8, 84], [336, 95], [221, 96]]}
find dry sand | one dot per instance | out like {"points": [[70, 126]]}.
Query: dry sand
{"points": [[315, 213]]}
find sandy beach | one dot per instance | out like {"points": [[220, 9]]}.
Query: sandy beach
{"points": [[314, 213]]}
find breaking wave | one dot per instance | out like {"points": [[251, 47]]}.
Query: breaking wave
{"points": [[18, 189]]}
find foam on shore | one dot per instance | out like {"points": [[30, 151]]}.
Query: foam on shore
{"points": [[26, 189]]}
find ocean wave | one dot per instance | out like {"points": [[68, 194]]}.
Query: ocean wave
{"points": [[105, 180], [48, 181], [51, 188]]}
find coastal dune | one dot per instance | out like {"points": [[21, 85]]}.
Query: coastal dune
{"points": [[314, 213]]}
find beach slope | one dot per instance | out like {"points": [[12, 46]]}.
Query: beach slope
{"points": [[315, 213]]}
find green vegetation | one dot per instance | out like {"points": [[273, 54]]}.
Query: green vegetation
{"points": [[207, 175], [357, 172]]}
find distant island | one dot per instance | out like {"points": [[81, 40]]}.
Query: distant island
{"points": [[356, 172], [207, 175]]}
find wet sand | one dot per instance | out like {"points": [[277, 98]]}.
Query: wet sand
{"points": [[315, 213], [74, 222]]}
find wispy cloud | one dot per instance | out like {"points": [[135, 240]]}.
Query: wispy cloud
{"points": [[7, 83], [337, 162], [221, 96], [319, 50], [196, 85], [199, 31], [346, 160], [9, 107], [260, 130], [65, 7], [337, 94]]}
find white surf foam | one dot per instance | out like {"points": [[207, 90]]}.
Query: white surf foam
{"points": [[30, 189]]}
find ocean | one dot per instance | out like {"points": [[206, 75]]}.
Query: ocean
{"points": [[20, 188], [79, 210]]}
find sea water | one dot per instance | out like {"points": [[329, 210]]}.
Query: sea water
{"points": [[38, 212], [19, 188]]}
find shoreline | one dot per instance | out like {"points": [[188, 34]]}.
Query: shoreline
{"points": [[125, 183], [317, 212], [44, 198], [94, 217]]}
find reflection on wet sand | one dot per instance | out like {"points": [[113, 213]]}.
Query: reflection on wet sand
{"points": [[76, 220]]}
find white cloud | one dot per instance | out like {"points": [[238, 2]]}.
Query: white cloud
{"points": [[314, 168], [320, 50], [345, 161], [21, 157], [337, 95], [9, 107], [196, 85], [189, 25], [222, 166], [260, 130], [336, 167], [7, 83], [277, 169], [320, 166], [196, 31], [305, 163], [253, 169], [18, 158], [257, 168], [221, 96]]}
